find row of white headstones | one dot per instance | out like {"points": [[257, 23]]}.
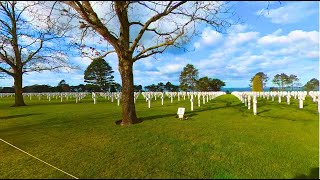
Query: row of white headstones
{"points": [[206, 96], [69, 95], [148, 96], [49, 95], [246, 97]]}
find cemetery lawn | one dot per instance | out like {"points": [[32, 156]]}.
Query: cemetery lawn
{"points": [[221, 139]]}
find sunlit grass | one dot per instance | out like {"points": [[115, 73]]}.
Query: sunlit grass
{"points": [[221, 139]]}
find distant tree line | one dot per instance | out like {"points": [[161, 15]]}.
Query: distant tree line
{"points": [[283, 81], [190, 81], [61, 87], [161, 87]]}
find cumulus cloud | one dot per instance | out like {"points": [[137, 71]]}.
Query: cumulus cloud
{"points": [[243, 54], [297, 43], [208, 37], [292, 12], [238, 28], [240, 38], [293, 36], [171, 68]]}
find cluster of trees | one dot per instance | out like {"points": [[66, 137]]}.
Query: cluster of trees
{"points": [[99, 75], [190, 81], [284, 81], [312, 85], [161, 87]]}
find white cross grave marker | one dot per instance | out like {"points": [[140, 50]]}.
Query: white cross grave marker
{"points": [[254, 105], [191, 103]]}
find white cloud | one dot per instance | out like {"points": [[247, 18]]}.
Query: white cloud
{"points": [[240, 38], [297, 43], [146, 62], [294, 36], [243, 54], [238, 28], [171, 68], [292, 12], [196, 45], [210, 36], [312, 54], [83, 61]]}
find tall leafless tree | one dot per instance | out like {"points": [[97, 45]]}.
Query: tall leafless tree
{"points": [[25, 46], [137, 30]]}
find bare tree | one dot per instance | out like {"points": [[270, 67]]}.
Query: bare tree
{"points": [[136, 30], [26, 47]]}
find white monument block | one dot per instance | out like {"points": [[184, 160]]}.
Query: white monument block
{"points": [[181, 112]]}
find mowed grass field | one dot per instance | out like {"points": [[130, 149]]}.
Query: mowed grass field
{"points": [[221, 139]]}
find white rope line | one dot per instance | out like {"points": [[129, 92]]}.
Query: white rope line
{"points": [[38, 159]]}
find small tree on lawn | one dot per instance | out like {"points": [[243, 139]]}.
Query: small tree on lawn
{"points": [[188, 78], [171, 87], [63, 86], [257, 84], [264, 78], [312, 85], [281, 80], [99, 73], [292, 79], [209, 84]]}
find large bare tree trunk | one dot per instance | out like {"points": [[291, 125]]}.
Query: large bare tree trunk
{"points": [[129, 115], [18, 89]]}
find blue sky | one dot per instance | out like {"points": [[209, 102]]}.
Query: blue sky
{"points": [[283, 39]]}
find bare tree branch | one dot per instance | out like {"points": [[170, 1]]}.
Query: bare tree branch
{"points": [[91, 17], [21, 44], [6, 71], [101, 56], [5, 57], [104, 55], [31, 55], [154, 18]]}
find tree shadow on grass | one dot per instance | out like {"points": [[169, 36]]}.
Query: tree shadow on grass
{"points": [[57, 103], [187, 114], [266, 110], [172, 115], [314, 174], [18, 116], [283, 118], [227, 105]]}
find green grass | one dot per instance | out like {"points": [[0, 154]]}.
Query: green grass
{"points": [[221, 139]]}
